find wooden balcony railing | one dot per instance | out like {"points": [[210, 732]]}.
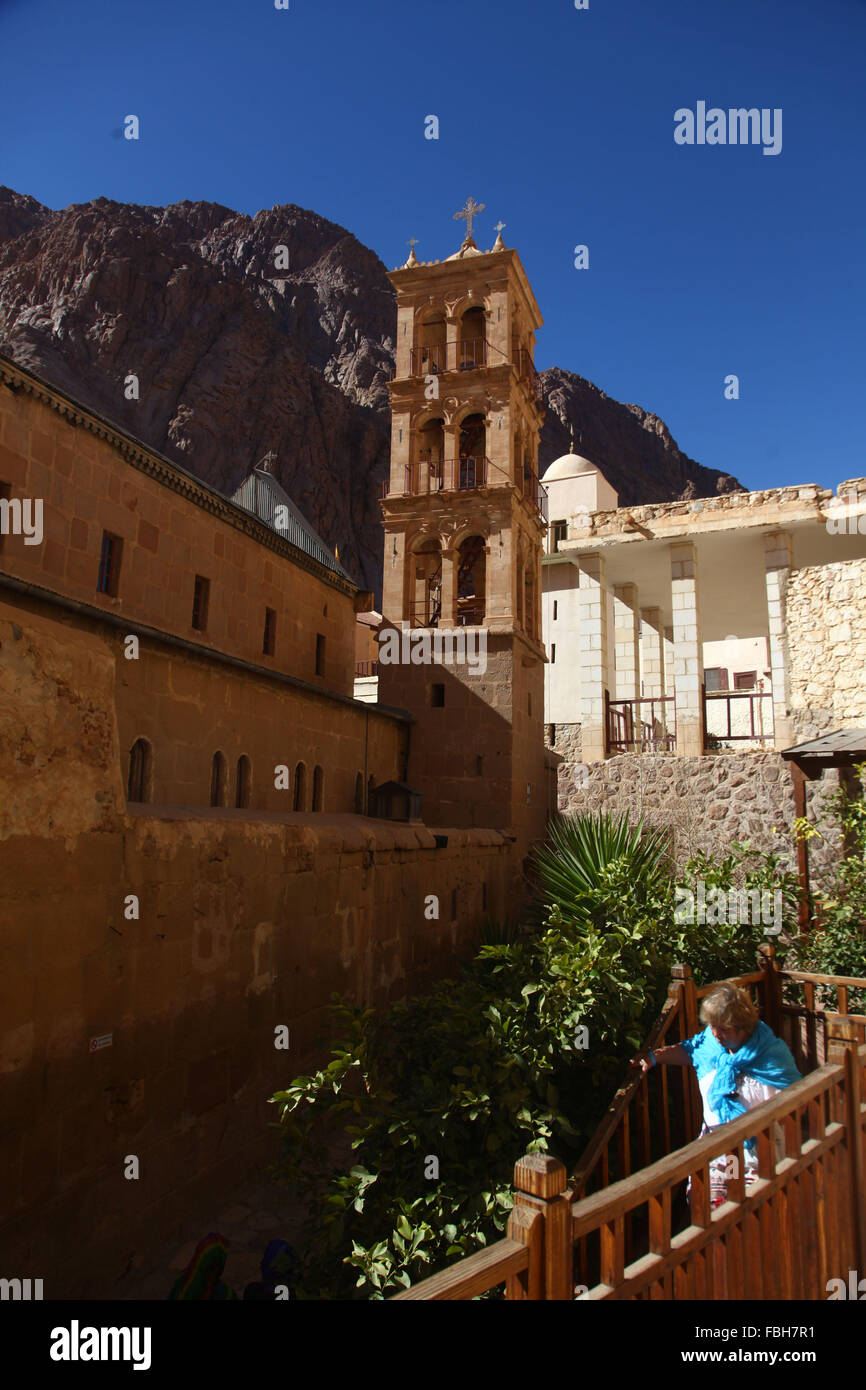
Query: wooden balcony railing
{"points": [[647, 724], [739, 715], [366, 668], [801, 1222]]}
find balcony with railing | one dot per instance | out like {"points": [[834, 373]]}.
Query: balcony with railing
{"points": [[463, 356], [738, 716], [647, 724], [443, 475]]}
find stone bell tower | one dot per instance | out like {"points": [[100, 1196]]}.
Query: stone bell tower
{"points": [[464, 524]]}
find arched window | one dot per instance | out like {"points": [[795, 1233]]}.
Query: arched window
{"points": [[300, 788], [218, 770], [242, 783], [471, 576], [138, 779], [472, 463], [318, 787], [359, 794]]}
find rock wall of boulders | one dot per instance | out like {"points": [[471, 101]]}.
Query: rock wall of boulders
{"points": [[706, 803], [827, 647]]}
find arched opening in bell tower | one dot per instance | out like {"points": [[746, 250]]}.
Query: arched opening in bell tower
{"points": [[427, 471], [471, 581], [426, 583], [430, 350], [473, 341], [472, 449]]}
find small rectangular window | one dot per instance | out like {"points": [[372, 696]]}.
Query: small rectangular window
{"points": [[109, 564], [555, 608], [270, 638], [745, 680], [320, 654], [715, 678], [437, 696], [560, 533], [553, 652], [479, 765], [201, 595]]}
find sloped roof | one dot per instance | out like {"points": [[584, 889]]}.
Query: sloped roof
{"points": [[261, 494], [844, 744]]}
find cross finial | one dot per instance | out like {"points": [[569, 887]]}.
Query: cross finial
{"points": [[498, 226], [266, 464], [412, 242], [469, 211]]}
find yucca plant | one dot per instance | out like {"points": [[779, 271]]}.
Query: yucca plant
{"points": [[573, 870]]}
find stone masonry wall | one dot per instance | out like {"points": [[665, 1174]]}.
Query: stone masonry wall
{"points": [[245, 920], [827, 645], [706, 802]]}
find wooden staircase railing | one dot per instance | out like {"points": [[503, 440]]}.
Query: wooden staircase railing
{"points": [[630, 1233]]}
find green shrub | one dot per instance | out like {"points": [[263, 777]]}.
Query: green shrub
{"points": [[486, 1067]]}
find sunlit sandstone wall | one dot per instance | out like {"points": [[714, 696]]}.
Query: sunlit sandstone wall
{"points": [[90, 477], [827, 647], [246, 921]]}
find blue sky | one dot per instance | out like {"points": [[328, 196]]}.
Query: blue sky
{"points": [[705, 260]]}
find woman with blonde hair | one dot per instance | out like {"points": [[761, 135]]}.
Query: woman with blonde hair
{"points": [[740, 1063]]}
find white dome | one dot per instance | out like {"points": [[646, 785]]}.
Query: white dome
{"points": [[569, 466]]}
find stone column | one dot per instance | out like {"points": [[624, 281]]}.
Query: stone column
{"points": [[777, 560], [626, 653], [626, 642], [688, 655], [592, 608], [449, 588], [653, 652]]}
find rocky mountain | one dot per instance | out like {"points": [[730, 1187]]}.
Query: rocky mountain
{"points": [[257, 334]]}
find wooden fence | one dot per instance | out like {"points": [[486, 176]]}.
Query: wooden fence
{"points": [[622, 1228]]}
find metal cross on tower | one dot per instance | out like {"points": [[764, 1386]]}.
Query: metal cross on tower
{"points": [[470, 210]]}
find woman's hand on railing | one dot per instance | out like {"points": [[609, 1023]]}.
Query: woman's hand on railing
{"points": [[643, 1060]]}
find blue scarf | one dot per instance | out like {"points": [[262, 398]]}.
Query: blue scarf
{"points": [[764, 1056]]}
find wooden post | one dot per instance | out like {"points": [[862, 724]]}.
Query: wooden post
{"points": [[854, 1126], [798, 777], [772, 986], [540, 1183], [527, 1228], [681, 978]]}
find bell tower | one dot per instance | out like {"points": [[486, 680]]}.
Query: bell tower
{"points": [[464, 518]]}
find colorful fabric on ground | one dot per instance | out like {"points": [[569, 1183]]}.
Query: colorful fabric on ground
{"points": [[201, 1278]]}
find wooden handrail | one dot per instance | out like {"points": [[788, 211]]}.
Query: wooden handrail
{"points": [[826, 1169], [473, 1275], [676, 1167]]}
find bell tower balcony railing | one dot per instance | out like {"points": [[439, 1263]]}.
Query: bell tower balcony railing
{"points": [[462, 356], [446, 475], [463, 475]]}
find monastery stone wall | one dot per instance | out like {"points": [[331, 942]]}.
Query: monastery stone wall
{"points": [[246, 920], [172, 528], [827, 647]]}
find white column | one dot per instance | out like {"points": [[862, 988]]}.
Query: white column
{"points": [[592, 599], [652, 641], [626, 646], [777, 560], [687, 650]]}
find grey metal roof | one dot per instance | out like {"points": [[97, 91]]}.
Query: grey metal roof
{"points": [[846, 742], [261, 494]]}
